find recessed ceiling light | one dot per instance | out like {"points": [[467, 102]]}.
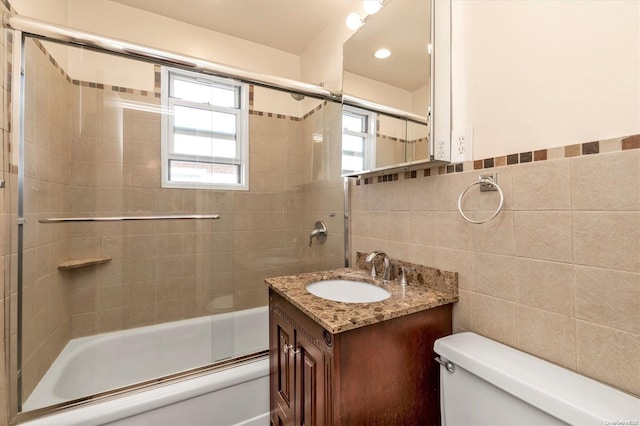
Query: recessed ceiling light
{"points": [[382, 53]]}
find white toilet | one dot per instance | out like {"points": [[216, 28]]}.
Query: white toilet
{"points": [[483, 382]]}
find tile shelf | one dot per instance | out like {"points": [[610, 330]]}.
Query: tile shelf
{"points": [[79, 263]]}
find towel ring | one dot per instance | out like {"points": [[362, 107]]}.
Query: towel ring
{"points": [[480, 181]]}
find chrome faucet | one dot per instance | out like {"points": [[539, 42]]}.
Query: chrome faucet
{"points": [[386, 274]]}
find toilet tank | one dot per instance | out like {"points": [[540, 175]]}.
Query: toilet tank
{"points": [[494, 384]]}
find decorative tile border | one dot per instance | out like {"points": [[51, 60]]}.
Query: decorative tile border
{"points": [[283, 116], [405, 141], [157, 88], [575, 150]]}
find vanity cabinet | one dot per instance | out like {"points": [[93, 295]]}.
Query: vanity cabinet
{"points": [[296, 368], [378, 374]]}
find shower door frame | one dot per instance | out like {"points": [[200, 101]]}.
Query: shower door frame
{"points": [[23, 28]]}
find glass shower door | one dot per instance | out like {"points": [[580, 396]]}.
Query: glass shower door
{"points": [[125, 298]]}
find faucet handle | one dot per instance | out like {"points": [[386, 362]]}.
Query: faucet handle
{"points": [[403, 279], [319, 232]]}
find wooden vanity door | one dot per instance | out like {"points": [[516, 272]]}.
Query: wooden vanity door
{"points": [[283, 378], [310, 384]]}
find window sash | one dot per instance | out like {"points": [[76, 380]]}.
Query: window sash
{"points": [[206, 82], [173, 129], [174, 164], [365, 156], [233, 156]]}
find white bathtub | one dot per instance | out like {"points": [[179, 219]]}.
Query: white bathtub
{"points": [[90, 365]]}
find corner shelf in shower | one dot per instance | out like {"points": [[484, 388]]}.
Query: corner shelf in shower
{"points": [[79, 263]]}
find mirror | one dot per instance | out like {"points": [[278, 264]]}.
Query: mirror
{"points": [[397, 90], [400, 81], [373, 141]]}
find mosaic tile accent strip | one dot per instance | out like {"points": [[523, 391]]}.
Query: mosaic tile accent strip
{"points": [[632, 142], [575, 150], [540, 155], [313, 111], [590, 148], [157, 88], [283, 116], [405, 141]]}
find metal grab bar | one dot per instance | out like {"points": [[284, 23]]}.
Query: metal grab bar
{"points": [[117, 219]]}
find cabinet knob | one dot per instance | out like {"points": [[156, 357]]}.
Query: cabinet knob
{"points": [[291, 350]]}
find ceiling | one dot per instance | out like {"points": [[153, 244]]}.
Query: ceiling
{"points": [[288, 25]]}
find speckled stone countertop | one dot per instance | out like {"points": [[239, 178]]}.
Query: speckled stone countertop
{"points": [[336, 317]]}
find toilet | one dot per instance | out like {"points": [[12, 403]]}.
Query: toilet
{"points": [[483, 382]]}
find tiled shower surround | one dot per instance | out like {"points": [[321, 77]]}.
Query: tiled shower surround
{"points": [[555, 274], [87, 156]]}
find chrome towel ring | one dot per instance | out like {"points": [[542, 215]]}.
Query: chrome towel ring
{"points": [[486, 184]]}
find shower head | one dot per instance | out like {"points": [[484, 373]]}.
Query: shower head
{"points": [[297, 96]]}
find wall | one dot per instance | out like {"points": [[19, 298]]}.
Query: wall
{"points": [[148, 29], [322, 59], [46, 183], [546, 74], [552, 92], [323, 188], [555, 274]]}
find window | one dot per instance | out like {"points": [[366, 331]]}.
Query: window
{"points": [[205, 137], [358, 139]]}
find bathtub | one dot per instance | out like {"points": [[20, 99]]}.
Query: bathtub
{"points": [[95, 364]]}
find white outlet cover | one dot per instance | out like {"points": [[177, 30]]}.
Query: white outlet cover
{"points": [[462, 145], [442, 148]]}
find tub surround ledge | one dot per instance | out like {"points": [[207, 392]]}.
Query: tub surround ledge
{"points": [[428, 288]]}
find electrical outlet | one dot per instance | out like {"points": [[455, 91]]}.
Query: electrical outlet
{"points": [[462, 145], [440, 153]]}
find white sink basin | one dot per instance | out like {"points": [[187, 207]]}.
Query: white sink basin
{"points": [[348, 291]]}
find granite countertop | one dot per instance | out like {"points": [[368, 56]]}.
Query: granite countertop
{"points": [[427, 288]]}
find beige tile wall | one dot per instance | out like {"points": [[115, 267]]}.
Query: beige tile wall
{"points": [[323, 189], [164, 271], [46, 182], [97, 158], [555, 274]]}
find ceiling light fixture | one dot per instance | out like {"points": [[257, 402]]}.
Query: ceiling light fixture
{"points": [[371, 7], [382, 53], [354, 21]]}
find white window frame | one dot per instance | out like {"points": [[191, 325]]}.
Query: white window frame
{"points": [[369, 135], [167, 133]]}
